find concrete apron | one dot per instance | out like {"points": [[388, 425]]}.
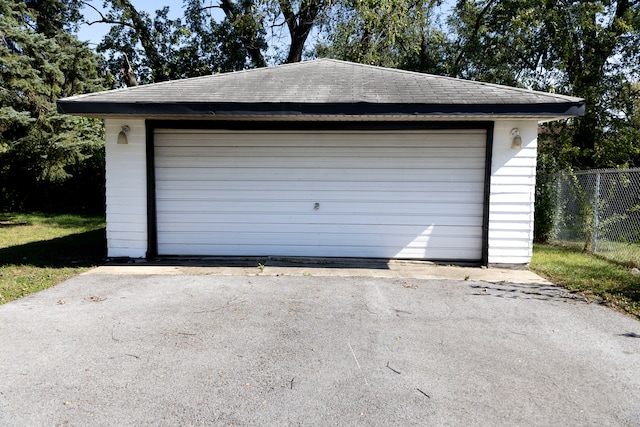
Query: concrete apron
{"points": [[324, 268]]}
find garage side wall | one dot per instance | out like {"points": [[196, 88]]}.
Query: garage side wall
{"points": [[512, 191], [126, 194]]}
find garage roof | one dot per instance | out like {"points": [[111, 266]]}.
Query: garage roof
{"points": [[323, 87]]}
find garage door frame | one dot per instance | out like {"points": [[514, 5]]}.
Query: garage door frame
{"points": [[152, 125]]}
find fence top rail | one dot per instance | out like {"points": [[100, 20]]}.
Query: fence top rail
{"points": [[601, 171]]}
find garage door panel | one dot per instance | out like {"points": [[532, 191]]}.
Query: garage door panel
{"points": [[433, 162], [232, 145], [344, 251], [174, 196], [204, 219], [310, 174], [214, 230], [336, 152], [366, 194], [239, 185], [306, 238], [346, 140], [329, 208]]}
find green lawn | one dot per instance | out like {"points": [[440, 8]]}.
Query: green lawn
{"points": [[592, 276], [39, 250]]}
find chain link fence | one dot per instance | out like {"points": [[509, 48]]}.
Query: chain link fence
{"points": [[599, 211]]}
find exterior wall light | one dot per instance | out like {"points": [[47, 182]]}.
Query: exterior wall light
{"points": [[516, 139], [123, 135]]}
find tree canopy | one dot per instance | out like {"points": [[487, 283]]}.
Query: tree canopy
{"points": [[202, 42], [588, 49]]}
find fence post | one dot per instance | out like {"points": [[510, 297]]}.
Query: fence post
{"points": [[596, 199]]}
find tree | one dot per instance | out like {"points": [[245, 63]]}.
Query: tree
{"points": [[588, 49], [135, 37], [39, 63], [248, 27], [165, 49], [391, 33], [301, 23], [51, 16], [199, 44]]}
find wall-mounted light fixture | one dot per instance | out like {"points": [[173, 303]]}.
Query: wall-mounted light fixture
{"points": [[516, 139], [123, 136]]}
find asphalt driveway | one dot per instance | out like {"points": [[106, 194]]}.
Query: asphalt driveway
{"points": [[115, 348]]}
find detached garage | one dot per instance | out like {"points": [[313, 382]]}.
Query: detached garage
{"points": [[325, 159]]}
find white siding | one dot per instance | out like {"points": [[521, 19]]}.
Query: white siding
{"points": [[126, 190], [379, 194], [513, 175], [511, 202]]}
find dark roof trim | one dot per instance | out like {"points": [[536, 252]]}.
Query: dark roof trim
{"points": [[316, 125], [231, 109]]}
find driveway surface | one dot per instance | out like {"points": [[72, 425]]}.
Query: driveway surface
{"points": [[118, 347]]}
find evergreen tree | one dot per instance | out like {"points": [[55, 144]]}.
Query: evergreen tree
{"points": [[39, 148]]}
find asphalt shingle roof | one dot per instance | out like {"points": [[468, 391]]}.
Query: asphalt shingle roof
{"points": [[323, 86]]}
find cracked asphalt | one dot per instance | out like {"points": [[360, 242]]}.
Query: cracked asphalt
{"points": [[140, 348]]}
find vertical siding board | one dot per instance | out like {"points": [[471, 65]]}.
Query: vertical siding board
{"points": [[125, 180], [511, 203]]}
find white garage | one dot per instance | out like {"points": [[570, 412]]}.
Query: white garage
{"points": [[322, 159], [375, 194]]}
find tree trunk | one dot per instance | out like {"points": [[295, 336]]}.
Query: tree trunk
{"points": [[299, 25], [144, 35]]}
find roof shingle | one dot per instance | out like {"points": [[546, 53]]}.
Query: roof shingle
{"points": [[322, 86]]}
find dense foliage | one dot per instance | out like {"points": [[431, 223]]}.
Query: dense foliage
{"points": [[228, 36], [47, 160]]}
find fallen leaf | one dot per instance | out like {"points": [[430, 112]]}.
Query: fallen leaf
{"points": [[61, 302]]}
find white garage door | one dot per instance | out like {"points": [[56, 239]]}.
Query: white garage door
{"points": [[378, 194]]}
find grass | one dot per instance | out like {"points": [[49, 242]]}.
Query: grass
{"points": [[626, 253], [40, 250], [594, 277]]}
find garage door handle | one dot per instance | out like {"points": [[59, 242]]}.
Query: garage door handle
{"points": [[316, 206]]}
